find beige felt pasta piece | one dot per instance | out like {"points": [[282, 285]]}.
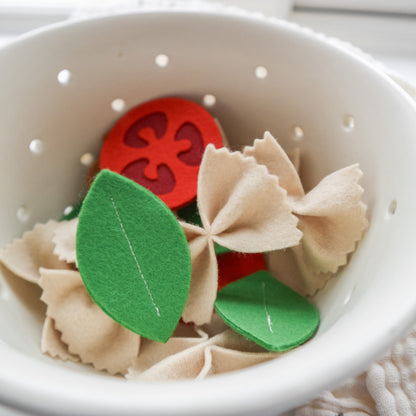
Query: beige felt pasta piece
{"points": [[152, 352], [190, 362], [64, 239], [294, 157], [220, 360], [204, 279], [52, 344], [332, 216], [242, 206], [24, 256], [85, 328], [269, 153], [332, 219], [293, 270], [215, 326]]}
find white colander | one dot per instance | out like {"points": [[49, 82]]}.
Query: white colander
{"points": [[62, 88]]}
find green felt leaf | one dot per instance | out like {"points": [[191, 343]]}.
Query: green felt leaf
{"points": [[268, 312], [133, 256], [220, 249]]}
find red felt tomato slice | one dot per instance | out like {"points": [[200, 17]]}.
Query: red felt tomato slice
{"points": [[233, 266], [160, 144]]}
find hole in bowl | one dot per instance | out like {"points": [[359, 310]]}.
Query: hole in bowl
{"points": [[87, 159], [68, 209], [392, 208], [23, 214], [260, 72], [64, 76], [297, 133], [118, 105], [349, 122], [162, 60], [36, 146], [209, 100]]}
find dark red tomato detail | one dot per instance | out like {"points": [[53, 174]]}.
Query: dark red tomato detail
{"points": [[192, 156], [156, 121], [161, 185], [233, 266], [160, 144]]}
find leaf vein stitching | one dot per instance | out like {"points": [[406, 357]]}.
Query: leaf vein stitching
{"points": [[134, 256]]}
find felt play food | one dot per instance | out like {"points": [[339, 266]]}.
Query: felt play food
{"points": [[268, 312], [159, 144], [369, 303], [133, 256], [233, 266], [130, 265], [332, 216], [243, 208]]}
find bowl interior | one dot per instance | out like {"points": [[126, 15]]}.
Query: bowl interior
{"points": [[58, 87]]}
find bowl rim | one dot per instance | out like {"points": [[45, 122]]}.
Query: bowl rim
{"points": [[50, 393]]}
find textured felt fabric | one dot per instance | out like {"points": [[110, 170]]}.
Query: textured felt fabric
{"points": [[243, 208], [24, 256], [232, 352], [152, 352], [86, 329], [234, 266], [64, 240], [160, 144], [268, 312], [332, 216], [190, 214], [133, 256], [52, 344], [204, 281]]}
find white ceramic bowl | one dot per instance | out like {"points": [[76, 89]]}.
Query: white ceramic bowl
{"points": [[311, 83]]}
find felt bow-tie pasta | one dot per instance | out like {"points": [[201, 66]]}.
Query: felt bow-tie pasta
{"points": [[331, 216], [243, 208], [64, 239], [87, 331], [24, 256], [226, 351], [52, 344]]}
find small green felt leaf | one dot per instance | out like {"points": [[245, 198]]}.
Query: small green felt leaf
{"points": [[268, 312], [133, 256], [220, 249]]}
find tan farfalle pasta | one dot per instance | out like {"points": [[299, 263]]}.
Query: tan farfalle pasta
{"points": [[35, 249], [64, 238], [226, 351], [243, 208], [52, 344], [152, 352], [332, 216], [86, 329]]}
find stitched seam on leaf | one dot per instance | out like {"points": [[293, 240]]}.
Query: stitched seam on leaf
{"points": [[134, 256], [269, 319]]}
